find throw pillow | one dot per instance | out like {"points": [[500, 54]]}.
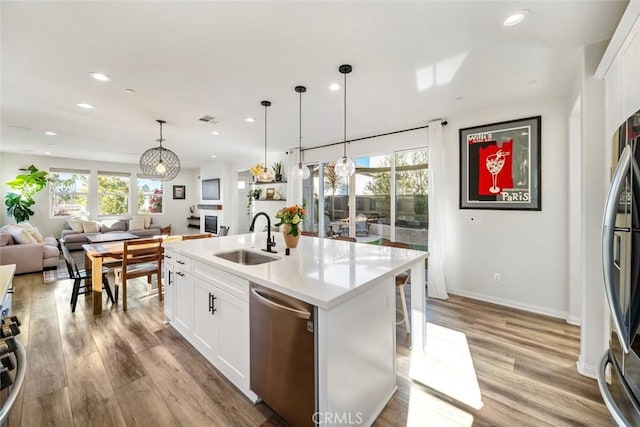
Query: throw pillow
{"points": [[20, 235], [76, 225], [5, 238], [36, 235], [146, 218], [91, 226], [136, 224]]}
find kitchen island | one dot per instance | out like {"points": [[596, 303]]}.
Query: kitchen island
{"points": [[351, 286]]}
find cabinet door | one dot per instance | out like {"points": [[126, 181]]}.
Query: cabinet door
{"points": [[205, 308], [232, 345], [183, 304], [168, 282]]}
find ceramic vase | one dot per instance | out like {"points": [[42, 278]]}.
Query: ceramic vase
{"points": [[290, 240]]}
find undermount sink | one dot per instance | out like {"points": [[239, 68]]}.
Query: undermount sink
{"points": [[245, 257]]}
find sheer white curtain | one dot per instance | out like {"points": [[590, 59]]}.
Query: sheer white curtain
{"points": [[437, 285]]}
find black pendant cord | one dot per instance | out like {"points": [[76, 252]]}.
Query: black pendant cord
{"points": [[345, 115], [265, 137]]}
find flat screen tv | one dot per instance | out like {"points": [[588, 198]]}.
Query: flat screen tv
{"points": [[211, 189]]}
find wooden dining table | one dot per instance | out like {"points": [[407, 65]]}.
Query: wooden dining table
{"points": [[95, 256]]}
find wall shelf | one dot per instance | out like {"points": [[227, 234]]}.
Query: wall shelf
{"points": [[269, 183]]}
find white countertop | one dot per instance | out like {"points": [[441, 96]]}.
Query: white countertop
{"points": [[322, 272]]}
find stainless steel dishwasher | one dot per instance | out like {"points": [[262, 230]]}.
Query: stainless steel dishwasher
{"points": [[283, 346]]}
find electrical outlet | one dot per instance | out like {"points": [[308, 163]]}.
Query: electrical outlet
{"points": [[496, 277], [475, 220]]}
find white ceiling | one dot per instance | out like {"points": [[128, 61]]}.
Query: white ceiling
{"points": [[412, 62]]}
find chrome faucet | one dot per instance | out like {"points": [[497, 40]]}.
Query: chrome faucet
{"points": [[270, 241]]}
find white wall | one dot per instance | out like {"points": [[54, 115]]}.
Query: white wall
{"points": [[527, 248], [175, 211]]}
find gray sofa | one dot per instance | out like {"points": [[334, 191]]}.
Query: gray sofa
{"points": [[28, 257], [74, 240]]}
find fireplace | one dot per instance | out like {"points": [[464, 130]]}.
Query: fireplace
{"points": [[211, 224]]}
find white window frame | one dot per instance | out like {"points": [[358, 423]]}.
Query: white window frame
{"points": [[52, 191], [127, 195], [141, 177]]}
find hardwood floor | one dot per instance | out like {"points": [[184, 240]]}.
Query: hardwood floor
{"points": [[487, 365]]}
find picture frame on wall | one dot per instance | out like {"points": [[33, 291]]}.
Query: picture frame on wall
{"points": [[179, 192], [500, 165]]}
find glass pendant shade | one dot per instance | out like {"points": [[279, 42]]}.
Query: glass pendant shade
{"points": [[160, 163], [300, 172], [345, 167], [265, 176]]}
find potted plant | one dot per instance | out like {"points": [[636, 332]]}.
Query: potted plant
{"points": [[291, 217], [26, 185], [277, 171], [252, 195]]}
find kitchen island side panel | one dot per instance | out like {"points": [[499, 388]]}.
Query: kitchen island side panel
{"points": [[356, 356]]}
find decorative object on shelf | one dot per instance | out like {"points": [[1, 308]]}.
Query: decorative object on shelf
{"points": [[500, 165], [192, 209], [256, 170], [158, 162], [277, 171], [179, 192], [270, 192], [26, 185], [344, 166], [265, 175], [301, 171], [291, 217]]}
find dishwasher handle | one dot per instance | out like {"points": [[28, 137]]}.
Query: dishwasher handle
{"points": [[302, 314]]}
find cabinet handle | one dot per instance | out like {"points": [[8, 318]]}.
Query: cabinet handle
{"points": [[170, 281], [180, 262], [212, 303], [179, 273], [168, 256]]}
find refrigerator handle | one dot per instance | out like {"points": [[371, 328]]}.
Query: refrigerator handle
{"points": [[608, 399], [298, 313], [608, 228]]}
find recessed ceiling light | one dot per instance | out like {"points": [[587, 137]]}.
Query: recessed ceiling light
{"points": [[215, 132], [516, 18], [50, 133], [130, 91], [249, 120], [100, 77], [47, 152], [334, 87], [86, 106], [213, 156]]}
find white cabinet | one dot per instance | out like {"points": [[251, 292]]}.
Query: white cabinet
{"points": [[211, 310], [168, 282], [183, 294]]}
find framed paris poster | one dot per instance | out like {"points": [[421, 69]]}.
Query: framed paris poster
{"points": [[500, 165]]}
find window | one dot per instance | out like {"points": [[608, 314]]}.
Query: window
{"points": [[150, 194], [373, 197], [69, 192], [336, 200], [113, 193], [412, 210]]}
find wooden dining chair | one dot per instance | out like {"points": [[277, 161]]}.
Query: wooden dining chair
{"points": [[196, 236], [140, 257], [79, 276], [402, 279], [224, 230], [346, 238]]}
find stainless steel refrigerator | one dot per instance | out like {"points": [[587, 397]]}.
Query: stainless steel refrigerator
{"points": [[619, 371]]}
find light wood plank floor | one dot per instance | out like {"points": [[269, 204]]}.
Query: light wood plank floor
{"points": [[128, 368]]}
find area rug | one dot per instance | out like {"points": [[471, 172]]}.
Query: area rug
{"points": [[55, 274]]}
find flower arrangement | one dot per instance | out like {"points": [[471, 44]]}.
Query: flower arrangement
{"points": [[291, 215], [255, 170]]}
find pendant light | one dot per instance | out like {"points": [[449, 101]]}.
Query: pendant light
{"points": [[301, 171], [158, 162], [344, 166], [265, 176]]}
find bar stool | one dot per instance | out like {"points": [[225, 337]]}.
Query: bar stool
{"points": [[402, 279]]}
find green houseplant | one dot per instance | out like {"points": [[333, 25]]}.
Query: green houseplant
{"points": [[252, 195], [25, 186], [277, 171]]}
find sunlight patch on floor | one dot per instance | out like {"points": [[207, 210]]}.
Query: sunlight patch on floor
{"points": [[428, 410], [446, 366]]}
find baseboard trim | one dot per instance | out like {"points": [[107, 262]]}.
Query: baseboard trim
{"points": [[574, 320], [590, 371], [509, 303]]}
